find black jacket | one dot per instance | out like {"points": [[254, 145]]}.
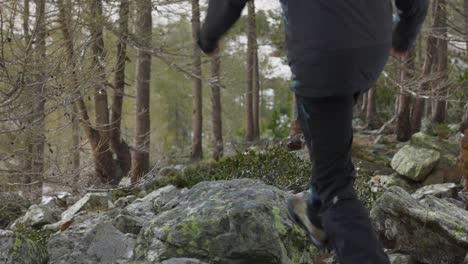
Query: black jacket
{"points": [[335, 47]]}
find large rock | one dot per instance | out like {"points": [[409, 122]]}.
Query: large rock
{"points": [[106, 237], [432, 231], [16, 249], [238, 221], [423, 140], [47, 212], [148, 206], [414, 162], [12, 206], [91, 202], [446, 190]]}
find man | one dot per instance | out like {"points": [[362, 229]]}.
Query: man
{"points": [[336, 50]]}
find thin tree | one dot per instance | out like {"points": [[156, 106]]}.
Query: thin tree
{"points": [[118, 145], [371, 109], [218, 148], [140, 163], [251, 46], [37, 116], [418, 110], [439, 113], [197, 99], [256, 78], [103, 172], [403, 122], [106, 162]]}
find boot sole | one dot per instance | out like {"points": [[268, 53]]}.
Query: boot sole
{"points": [[321, 245]]}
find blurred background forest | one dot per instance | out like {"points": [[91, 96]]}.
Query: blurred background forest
{"points": [[94, 90]]}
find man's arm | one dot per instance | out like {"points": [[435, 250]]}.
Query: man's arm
{"points": [[411, 16], [221, 15]]}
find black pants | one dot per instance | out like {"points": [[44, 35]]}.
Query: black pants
{"points": [[327, 127]]}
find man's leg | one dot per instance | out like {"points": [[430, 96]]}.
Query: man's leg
{"points": [[327, 127]]}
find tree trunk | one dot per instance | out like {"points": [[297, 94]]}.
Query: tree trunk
{"points": [[250, 72], [118, 145], [371, 111], [429, 60], [256, 74], [105, 164], [140, 161], [365, 101], [91, 133], [76, 159], [218, 148], [465, 7], [439, 113], [464, 124], [197, 99], [37, 141], [403, 125]]}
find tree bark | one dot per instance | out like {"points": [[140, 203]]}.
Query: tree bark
{"points": [[371, 111], [218, 148], [197, 99], [143, 75], [256, 74], [429, 60], [250, 135], [118, 145], [105, 164], [36, 143], [403, 125], [439, 113], [91, 133]]}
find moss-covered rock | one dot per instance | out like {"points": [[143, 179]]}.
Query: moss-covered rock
{"points": [[432, 231], [414, 162], [237, 221], [17, 249]]}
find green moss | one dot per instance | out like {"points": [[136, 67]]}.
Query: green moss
{"points": [[191, 227], [277, 220]]}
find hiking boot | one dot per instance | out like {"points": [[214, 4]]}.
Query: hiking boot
{"points": [[307, 218]]}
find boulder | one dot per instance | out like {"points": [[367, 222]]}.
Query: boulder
{"points": [[47, 212], [147, 207], [381, 183], [12, 206], [446, 190], [91, 202], [183, 261], [423, 140], [124, 201], [431, 231], [238, 221], [106, 237], [397, 258], [16, 249], [414, 162]]}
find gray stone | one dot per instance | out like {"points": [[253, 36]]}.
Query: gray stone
{"points": [[381, 183], [124, 201], [16, 249], [431, 231], [446, 190], [238, 221], [91, 202], [423, 140], [415, 163], [145, 207], [183, 261], [37, 216], [98, 238], [397, 258]]}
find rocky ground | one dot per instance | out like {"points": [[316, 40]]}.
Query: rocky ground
{"points": [[234, 211]]}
